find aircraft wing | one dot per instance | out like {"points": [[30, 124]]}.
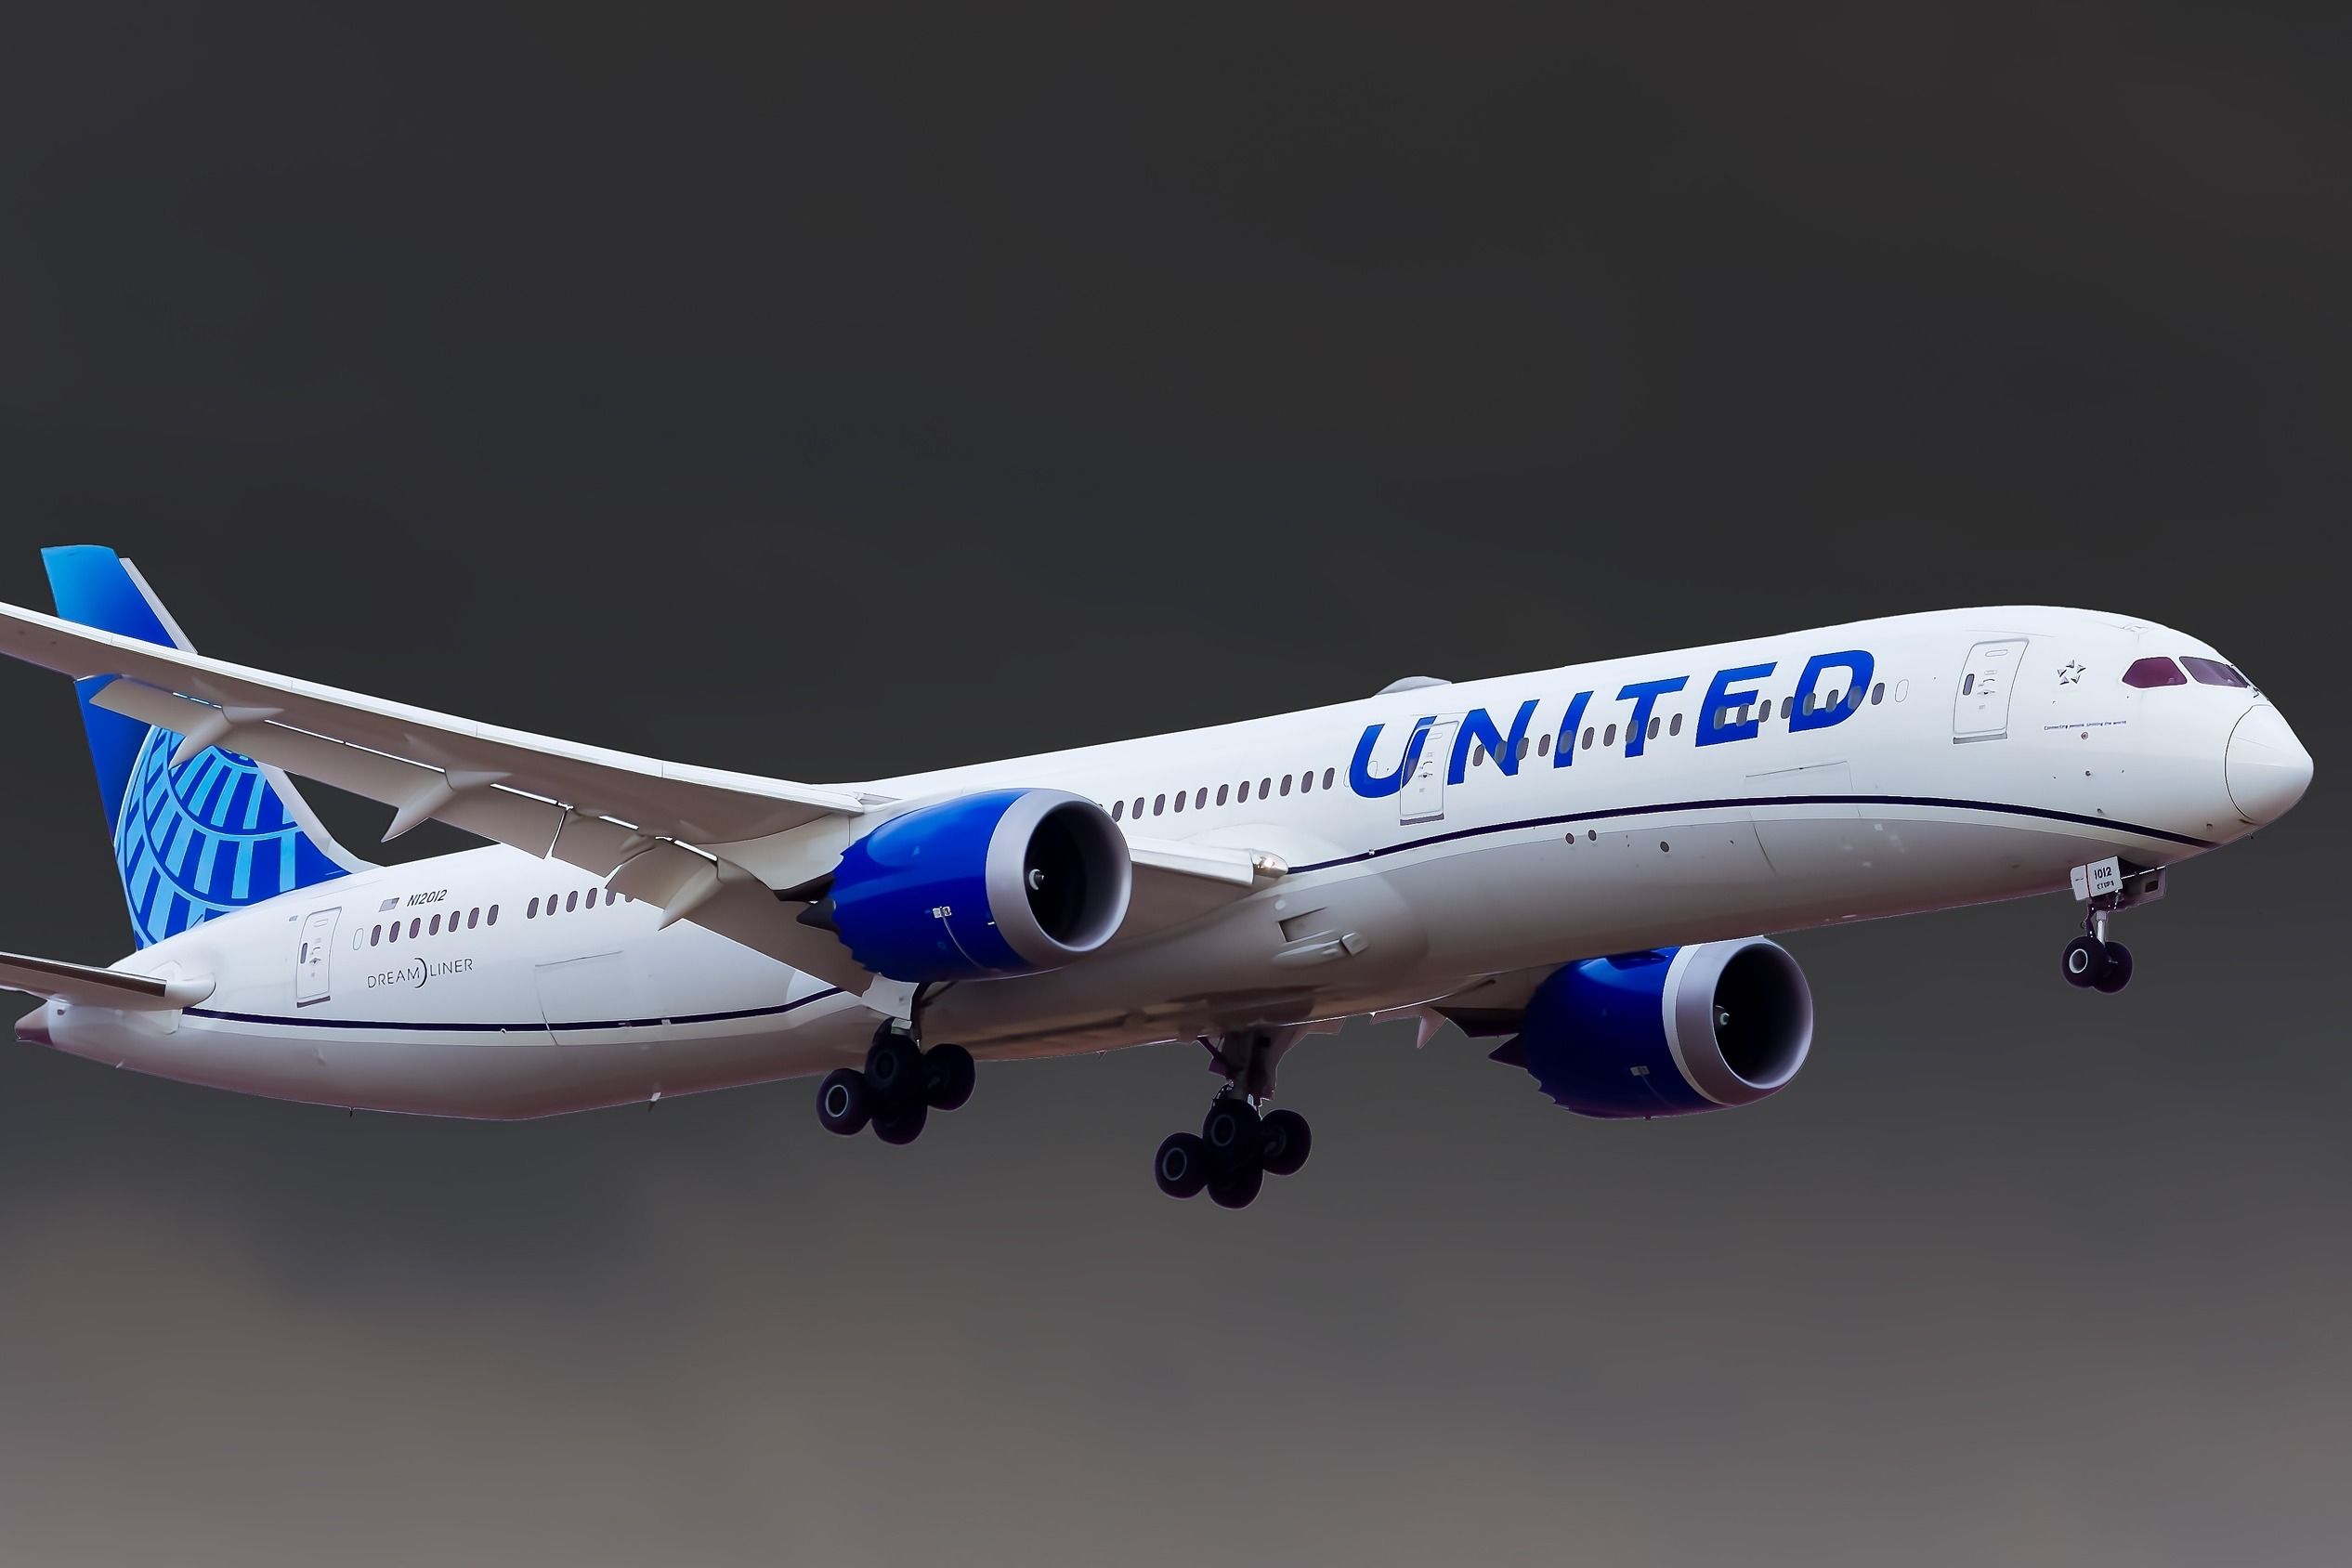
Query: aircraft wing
{"points": [[86, 987], [646, 824], [523, 786]]}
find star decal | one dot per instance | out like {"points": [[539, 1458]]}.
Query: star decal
{"points": [[2069, 673]]}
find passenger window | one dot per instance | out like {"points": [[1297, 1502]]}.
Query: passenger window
{"points": [[572, 901], [1477, 755], [1201, 797], [532, 913], [1160, 803], [434, 929], [1878, 694], [490, 919], [1179, 799], [415, 926], [1243, 795], [473, 918], [1330, 773], [610, 896], [1286, 784], [1222, 791], [1265, 788], [1969, 685], [2154, 673], [1853, 700], [1609, 736], [1785, 702], [1676, 727], [375, 935], [1543, 745], [1523, 753], [1587, 742], [1137, 809], [2212, 672], [1119, 809]]}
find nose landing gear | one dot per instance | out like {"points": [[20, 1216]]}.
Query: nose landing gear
{"points": [[2106, 887], [901, 1085], [1237, 1146]]}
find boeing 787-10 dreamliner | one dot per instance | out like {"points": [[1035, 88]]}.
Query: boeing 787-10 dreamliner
{"points": [[1571, 862]]}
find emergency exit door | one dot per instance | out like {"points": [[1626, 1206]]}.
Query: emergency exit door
{"points": [[1980, 711], [1423, 797], [311, 979]]}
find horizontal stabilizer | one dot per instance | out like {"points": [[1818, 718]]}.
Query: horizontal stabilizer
{"points": [[85, 986]]}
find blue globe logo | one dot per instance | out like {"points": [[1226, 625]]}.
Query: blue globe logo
{"points": [[207, 837]]}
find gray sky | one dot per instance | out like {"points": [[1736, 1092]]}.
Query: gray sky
{"points": [[832, 399]]}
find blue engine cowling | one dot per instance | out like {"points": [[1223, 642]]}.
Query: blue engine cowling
{"points": [[1010, 882], [1668, 1033]]}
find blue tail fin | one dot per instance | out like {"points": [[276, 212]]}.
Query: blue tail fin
{"points": [[216, 833]]}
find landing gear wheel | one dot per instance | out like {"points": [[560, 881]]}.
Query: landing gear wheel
{"points": [[843, 1103], [1181, 1166], [2086, 960], [1285, 1144], [902, 1125], [949, 1076], [1231, 1132], [2118, 973], [894, 1070], [1236, 1188]]}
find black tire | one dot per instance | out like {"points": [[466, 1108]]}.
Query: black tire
{"points": [[1231, 1132], [1234, 1189], [1286, 1143], [2086, 960], [893, 1071], [2117, 973], [843, 1103], [949, 1076], [1181, 1166], [903, 1124]]}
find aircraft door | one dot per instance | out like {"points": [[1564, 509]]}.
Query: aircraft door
{"points": [[313, 956], [1423, 797], [1980, 711]]}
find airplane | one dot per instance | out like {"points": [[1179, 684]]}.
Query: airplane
{"points": [[1573, 863]]}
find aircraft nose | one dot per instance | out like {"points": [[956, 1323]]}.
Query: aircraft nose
{"points": [[2266, 766]]}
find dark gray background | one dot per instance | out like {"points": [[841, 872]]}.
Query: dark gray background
{"points": [[831, 398]]}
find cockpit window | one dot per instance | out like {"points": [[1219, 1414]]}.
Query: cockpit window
{"points": [[2154, 673], [2212, 672]]}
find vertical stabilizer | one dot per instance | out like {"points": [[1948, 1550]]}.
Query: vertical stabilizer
{"points": [[216, 833]]}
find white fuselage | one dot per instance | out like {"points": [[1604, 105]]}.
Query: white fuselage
{"points": [[1924, 795]]}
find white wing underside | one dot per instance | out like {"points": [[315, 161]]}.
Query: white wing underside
{"points": [[659, 832]]}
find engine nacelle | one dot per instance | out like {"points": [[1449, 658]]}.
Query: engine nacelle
{"points": [[1668, 1033], [1010, 882]]}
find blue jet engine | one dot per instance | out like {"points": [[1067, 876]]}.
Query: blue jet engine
{"points": [[1667, 1033], [1010, 882]]}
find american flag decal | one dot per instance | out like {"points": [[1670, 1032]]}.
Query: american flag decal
{"points": [[387, 904]]}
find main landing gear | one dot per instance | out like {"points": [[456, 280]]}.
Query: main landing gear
{"points": [[901, 1086], [1237, 1146]]}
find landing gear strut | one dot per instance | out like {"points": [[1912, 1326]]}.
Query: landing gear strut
{"points": [[2093, 961], [1237, 1146], [901, 1086]]}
